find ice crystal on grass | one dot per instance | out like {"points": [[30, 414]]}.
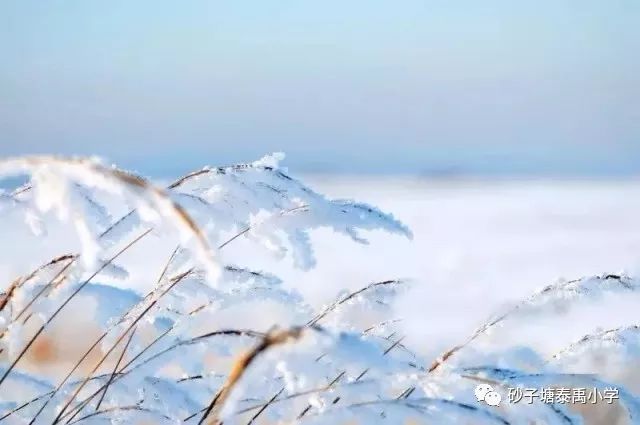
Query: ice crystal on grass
{"points": [[101, 336]]}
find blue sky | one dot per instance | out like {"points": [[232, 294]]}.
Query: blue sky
{"points": [[371, 86]]}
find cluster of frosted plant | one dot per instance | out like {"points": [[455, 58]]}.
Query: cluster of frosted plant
{"points": [[180, 352]]}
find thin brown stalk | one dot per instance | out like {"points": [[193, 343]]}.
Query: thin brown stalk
{"points": [[488, 325], [350, 296], [123, 371], [321, 389], [22, 189], [92, 347], [326, 312], [273, 338], [64, 304], [47, 286], [104, 334], [18, 283], [265, 406], [77, 364], [248, 228], [23, 405], [73, 412], [28, 403], [359, 377], [120, 338], [115, 369], [134, 407], [8, 294], [406, 393], [195, 340], [189, 176], [331, 384], [153, 303], [420, 404]]}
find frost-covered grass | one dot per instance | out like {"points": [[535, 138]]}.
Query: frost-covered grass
{"points": [[198, 302]]}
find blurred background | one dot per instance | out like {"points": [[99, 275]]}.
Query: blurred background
{"points": [[506, 134], [419, 87]]}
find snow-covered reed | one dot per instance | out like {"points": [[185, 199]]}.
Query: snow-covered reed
{"points": [[79, 346]]}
